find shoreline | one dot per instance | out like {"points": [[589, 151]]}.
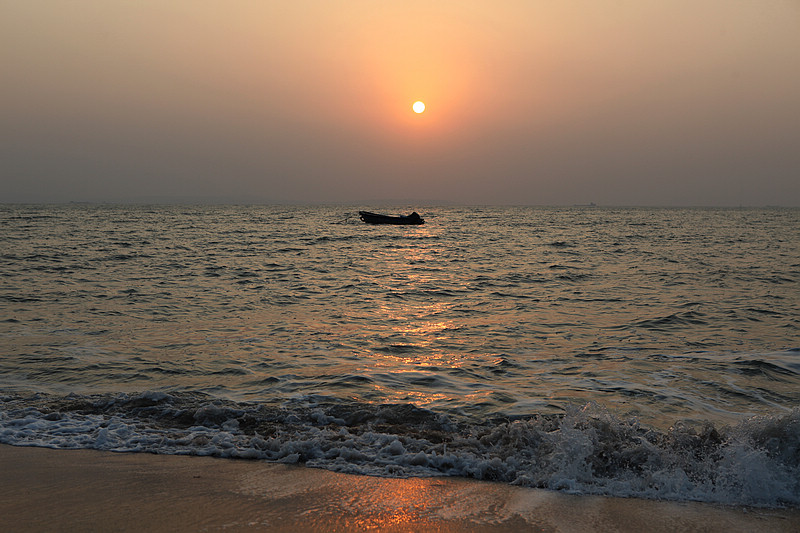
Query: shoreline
{"points": [[80, 490]]}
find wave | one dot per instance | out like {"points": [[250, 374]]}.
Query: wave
{"points": [[672, 321], [586, 450]]}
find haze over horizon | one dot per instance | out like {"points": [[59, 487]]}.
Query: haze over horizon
{"points": [[527, 103]]}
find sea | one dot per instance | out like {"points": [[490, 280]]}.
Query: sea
{"points": [[633, 352]]}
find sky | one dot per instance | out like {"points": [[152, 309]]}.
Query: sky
{"points": [[627, 102]]}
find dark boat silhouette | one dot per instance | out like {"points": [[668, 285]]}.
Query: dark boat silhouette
{"points": [[374, 218]]}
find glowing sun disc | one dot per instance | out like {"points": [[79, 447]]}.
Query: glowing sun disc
{"points": [[418, 107]]}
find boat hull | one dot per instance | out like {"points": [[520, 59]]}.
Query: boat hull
{"points": [[374, 218]]}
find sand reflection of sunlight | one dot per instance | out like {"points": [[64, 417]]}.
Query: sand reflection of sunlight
{"points": [[398, 505]]}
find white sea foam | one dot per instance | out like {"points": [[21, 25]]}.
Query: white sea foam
{"points": [[588, 450]]}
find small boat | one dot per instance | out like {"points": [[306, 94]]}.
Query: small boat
{"points": [[373, 218]]}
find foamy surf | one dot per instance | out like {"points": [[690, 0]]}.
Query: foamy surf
{"points": [[587, 450]]}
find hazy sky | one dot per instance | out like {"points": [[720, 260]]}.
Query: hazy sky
{"points": [[629, 102]]}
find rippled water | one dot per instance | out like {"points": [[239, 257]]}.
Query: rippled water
{"points": [[667, 315]]}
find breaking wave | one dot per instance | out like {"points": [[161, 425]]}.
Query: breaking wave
{"points": [[586, 450]]}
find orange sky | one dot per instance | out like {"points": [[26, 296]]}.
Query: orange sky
{"points": [[645, 103]]}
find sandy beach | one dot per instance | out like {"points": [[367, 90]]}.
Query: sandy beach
{"points": [[83, 490]]}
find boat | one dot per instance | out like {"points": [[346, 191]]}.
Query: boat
{"points": [[374, 218]]}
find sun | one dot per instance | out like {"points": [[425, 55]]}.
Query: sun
{"points": [[418, 107]]}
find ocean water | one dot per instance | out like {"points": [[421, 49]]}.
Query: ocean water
{"points": [[630, 352]]}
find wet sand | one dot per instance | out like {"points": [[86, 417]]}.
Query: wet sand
{"points": [[85, 490]]}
